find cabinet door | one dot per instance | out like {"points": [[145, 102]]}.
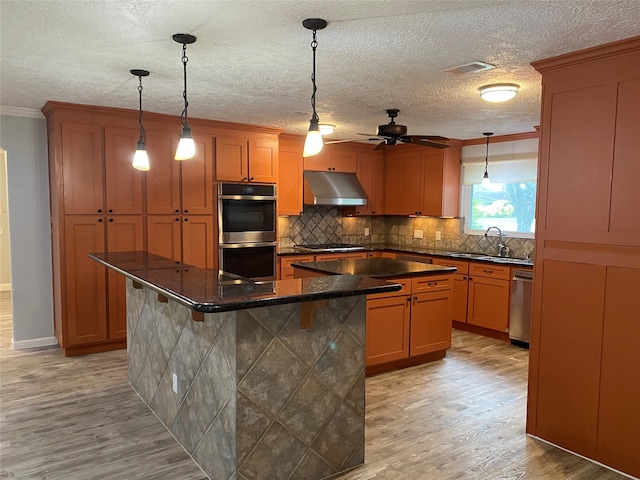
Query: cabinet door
{"points": [[393, 184], [163, 179], [488, 304], [263, 161], [377, 196], [326, 257], [410, 184], [124, 234], [387, 330], [430, 322], [290, 178], [123, 182], [82, 169], [460, 290], [369, 172], [199, 248], [232, 159], [164, 236], [432, 178], [319, 162], [85, 287], [344, 162], [197, 179]]}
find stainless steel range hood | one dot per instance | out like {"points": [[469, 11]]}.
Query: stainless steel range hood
{"points": [[333, 188]]}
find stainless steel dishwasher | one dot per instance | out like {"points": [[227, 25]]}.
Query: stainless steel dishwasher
{"points": [[520, 310]]}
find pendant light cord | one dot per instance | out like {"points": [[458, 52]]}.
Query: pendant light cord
{"points": [[184, 119], [486, 158], [314, 45], [142, 132]]}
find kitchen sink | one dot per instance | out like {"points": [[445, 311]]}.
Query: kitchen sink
{"points": [[490, 258], [467, 255]]}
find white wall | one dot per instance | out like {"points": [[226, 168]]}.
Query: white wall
{"points": [[25, 140]]}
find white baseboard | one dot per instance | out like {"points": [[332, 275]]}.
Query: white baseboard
{"points": [[5, 287], [33, 343]]}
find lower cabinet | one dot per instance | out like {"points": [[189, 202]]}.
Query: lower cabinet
{"points": [[488, 301], [188, 239], [411, 322]]}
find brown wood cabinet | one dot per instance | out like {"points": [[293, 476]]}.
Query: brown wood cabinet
{"points": [[370, 172], [584, 369], [290, 175], [387, 330], [334, 158], [123, 184], [423, 181], [243, 159]]}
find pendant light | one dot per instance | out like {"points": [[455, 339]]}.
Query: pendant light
{"points": [[314, 143], [140, 158], [485, 179], [186, 146]]}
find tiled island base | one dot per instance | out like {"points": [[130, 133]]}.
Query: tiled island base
{"points": [[257, 396]]}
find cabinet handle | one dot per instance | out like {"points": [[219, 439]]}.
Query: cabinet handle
{"points": [[244, 179], [329, 168], [186, 219], [373, 212], [111, 219], [432, 284], [177, 211], [408, 299], [251, 179], [464, 278], [419, 213], [470, 279], [111, 210], [177, 219], [99, 210], [487, 271], [99, 220], [186, 211]]}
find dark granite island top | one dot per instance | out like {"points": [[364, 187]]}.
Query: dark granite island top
{"points": [[379, 268], [208, 291]]}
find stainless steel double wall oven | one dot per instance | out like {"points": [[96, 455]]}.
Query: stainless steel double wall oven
{"points": [[247, 219]]}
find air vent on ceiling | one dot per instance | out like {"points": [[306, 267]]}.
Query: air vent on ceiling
{"points": [[470, 67]]}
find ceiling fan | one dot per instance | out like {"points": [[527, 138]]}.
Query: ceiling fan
{"points": [[392, 133]]}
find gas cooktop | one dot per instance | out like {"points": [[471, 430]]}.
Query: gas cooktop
{"points": [[328, 247]]}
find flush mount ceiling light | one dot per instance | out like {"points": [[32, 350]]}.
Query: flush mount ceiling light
{"points": [[186, 146], [326, 128], [485, 179], [140, 158], [313, 144], [499, 92]]}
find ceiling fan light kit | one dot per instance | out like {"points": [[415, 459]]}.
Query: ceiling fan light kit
{"points": [[186, 146], [313, 143], [140, 158], [499, 92]]}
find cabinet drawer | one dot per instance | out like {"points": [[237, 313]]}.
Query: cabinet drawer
{"points": [[463, 267], [488, 270], [326, 257], [431, 284], [405, 290], [285, 262]]}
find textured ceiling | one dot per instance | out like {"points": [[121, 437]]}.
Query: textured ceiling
{"points": [[252, 60]]}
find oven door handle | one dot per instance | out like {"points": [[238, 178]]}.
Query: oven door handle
{"points": [[245, 197], [247, 245]]}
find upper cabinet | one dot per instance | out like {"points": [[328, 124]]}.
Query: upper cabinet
{"points": [[242, 159], [333, 158], [123, 183], [423, 181], [370, 172], [290, 175]]}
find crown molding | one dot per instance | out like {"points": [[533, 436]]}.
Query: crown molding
{"points": [[20, 112]]}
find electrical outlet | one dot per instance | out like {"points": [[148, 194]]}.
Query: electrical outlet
{"points": [[438, 235], [366, 231], [418, 234], [175, 383]]}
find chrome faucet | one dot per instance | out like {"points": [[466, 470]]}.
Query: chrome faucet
{"points": [[503, 250]]}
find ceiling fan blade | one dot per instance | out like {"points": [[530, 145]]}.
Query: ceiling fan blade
{"points": [[381, 146], [437, 138], [368, 134], [427, 143], [344, 141]]}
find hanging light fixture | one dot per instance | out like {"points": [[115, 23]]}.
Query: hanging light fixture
{"points": [[499, 92], [186, 146], [314, 143], [140, 158], [485, 179], [326, 128]]}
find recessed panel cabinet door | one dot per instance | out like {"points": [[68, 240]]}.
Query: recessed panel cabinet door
{"points": [[123, 182], [163, 179], [290, 178], [430, 322], [231, 159], [164, 236], [197, 179], [124, 234], [85, 289], [263, 161], [488, 304], [198, 245], [82, 169], [387, 329]]}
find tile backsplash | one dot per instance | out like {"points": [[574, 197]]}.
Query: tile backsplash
{"points": [[322, 224]]}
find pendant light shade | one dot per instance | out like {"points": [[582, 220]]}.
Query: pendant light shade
{"points": [[186, 146], [313, 143], [140, 158], [499, 92], [485, 179]]}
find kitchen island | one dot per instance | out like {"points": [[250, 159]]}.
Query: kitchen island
{"points": [[404, 328], [256, 380]]}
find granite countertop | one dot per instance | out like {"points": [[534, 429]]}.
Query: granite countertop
{"points": [[376, 268], [463, 256], [208, 290]]}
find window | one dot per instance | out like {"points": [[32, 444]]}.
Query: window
{"points": [[509, 202]]}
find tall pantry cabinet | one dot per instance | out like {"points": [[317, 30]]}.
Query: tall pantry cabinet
{"points": [[584, 376]]}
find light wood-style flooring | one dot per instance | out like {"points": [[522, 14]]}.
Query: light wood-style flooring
{"points": [[459, 418]]}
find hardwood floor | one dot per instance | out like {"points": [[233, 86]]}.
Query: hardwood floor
{"points": [[459, 418]]}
